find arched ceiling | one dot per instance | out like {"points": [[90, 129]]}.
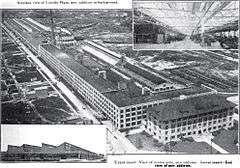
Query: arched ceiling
{"points": [[189, 17]]}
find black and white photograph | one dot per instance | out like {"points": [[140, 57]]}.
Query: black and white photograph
{"points": [[100, 85], [54, 65], [185, 25], [56, 143], [150, 101]]}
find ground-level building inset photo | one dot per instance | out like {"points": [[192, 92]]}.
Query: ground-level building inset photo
{"points": [[57, 143]]}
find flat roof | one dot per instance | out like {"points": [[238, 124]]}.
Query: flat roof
{"points": [[123, 98], [99, 83], [100, 55], [189, 107]]}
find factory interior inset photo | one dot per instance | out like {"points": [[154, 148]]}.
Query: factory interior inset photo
{"points": [[186, 25]]}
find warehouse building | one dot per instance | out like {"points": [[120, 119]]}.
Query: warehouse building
{"points": [[118, 88], [46, 152], [189, 117]]}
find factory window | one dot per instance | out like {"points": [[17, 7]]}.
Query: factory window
{"points": [[219, 121], [139, 108], [219, 126], [121, 116], [144, 116], [179, 124], [199, 132], [155, 104], [154, 133], [184, 123], [121, 126], [230, 124], [139, 117], [178, 130], [134, 108], [209, 123], [133, 118], [166, 132], [134, 123], [189, 133], [173, 131], [128, 124], [214, 122], [172, 137], [214, 127], [230, 118], [138, 113], [184, 128], [144, 107], [121, 121], [194, 126], [209, 129], [150, 105], [224, 120], [204, 124], [127, 115], [194, 132], [166, 127], [127, 120], [139, 122], [133, 114], [189, 128], [166, 138], [127, 110], [204, 130]]}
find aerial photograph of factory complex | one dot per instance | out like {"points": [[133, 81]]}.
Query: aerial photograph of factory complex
{"points": [[81, 67]]}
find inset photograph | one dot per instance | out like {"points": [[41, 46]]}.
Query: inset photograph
{"points": [[55, 143], [185, 25]]}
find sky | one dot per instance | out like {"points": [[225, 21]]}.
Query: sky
{"points": [[89, 137]]}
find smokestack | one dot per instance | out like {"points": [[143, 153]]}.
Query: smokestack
{"points": [[52, 28]]}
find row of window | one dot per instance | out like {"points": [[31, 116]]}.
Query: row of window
{"points": [[195, 132], [185, 122], [189, 127]]}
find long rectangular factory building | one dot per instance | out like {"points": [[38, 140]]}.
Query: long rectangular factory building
{"points": [[113, 90]]}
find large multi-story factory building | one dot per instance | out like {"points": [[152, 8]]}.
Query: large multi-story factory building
{"points": [[189, 117], [120, 88]]}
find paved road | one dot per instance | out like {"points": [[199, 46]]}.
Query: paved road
{"points": [[83, 112], [208, 139]]}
